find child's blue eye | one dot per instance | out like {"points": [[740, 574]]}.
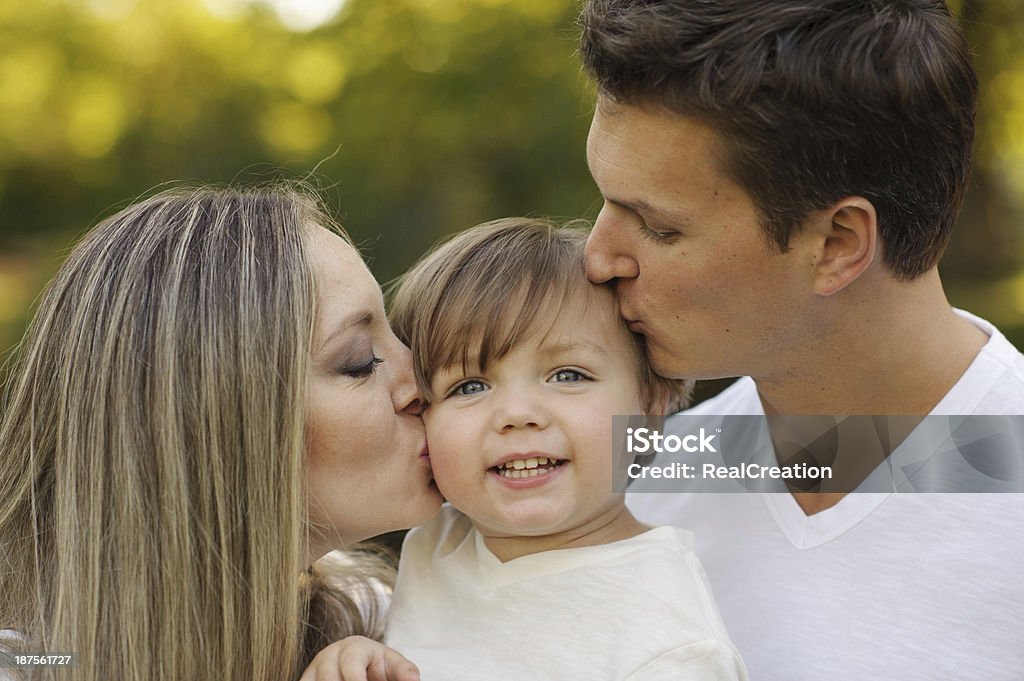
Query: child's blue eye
{"points": [[469, 388], [568, 376]]}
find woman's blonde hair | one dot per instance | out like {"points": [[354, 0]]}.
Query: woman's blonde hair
{"points": [[153, 511], [477, 295]]}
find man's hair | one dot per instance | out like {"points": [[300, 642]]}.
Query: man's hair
{"points": [[814, 100], [472, 299]]}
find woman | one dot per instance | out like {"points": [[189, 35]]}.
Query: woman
{"points": [[208, 399]]}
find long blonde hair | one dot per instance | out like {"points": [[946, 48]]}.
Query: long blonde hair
{"points": [[152, 447]]}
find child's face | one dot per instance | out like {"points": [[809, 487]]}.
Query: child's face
{"points": [[525, 447]]}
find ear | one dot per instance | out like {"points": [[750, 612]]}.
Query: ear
{"points": [[848, 232]]}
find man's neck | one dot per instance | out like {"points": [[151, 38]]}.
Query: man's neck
{"points": [[898, 353]]}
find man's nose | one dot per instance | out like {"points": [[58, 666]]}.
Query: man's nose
{"points": [[607, 251]]}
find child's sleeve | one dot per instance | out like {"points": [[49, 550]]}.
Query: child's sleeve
{"points": [[707, 660]]}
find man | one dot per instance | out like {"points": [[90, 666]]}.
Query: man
{"points": [[780, 178]]}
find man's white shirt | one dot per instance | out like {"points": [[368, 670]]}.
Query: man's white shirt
{"points": [[910, 586]]}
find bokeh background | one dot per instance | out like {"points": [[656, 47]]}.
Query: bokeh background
{"points": [[419, 118]]}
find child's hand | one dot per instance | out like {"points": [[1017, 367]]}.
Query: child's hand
{"points": [[358, 658]]}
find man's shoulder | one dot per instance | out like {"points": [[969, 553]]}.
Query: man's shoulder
{"points": [[994, 382]]}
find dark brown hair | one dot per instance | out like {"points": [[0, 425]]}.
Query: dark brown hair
{"points": [[814, 100], [477, 295]]}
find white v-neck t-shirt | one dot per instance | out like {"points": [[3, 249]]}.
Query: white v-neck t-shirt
{"points": [[638, 609], [915, 587]]}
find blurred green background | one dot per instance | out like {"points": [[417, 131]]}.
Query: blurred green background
{"points": [[421, 117]]}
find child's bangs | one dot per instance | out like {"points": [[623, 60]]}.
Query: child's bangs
{"points": [[478, 328], [476, 297]]}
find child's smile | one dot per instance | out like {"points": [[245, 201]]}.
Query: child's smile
{"points": [[521, 470], [524, 446]]}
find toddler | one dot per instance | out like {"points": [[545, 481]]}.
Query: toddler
{"points": [[535, 569]]}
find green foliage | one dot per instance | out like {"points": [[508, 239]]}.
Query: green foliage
{"points": [[421, 117]]}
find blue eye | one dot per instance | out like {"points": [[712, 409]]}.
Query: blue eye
{"points": [[568, 376], [471, 387]]}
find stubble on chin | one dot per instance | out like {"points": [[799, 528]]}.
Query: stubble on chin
{"points": [[663, 363]]}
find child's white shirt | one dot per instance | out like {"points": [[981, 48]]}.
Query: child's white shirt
{"points": [[639, 609]]}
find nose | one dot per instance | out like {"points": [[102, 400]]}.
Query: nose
{"points": [[607, 251], [517, 410], [404, 394]]}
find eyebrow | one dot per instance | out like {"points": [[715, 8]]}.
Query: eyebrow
{"points": [[641, 207], [362, 318], [571, 346], [473, 361]]}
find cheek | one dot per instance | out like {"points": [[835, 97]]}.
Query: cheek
{"points": [[591, 424], [666, 280], [445, 440], [345, 434], [333, 453]]}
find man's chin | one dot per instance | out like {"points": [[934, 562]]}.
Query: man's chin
{"points": [[682, 365], [667, 365]]}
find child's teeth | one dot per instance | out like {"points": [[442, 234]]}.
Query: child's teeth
{"points": [[523, 472], [519, 464]]}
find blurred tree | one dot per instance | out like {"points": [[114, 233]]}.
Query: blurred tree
{"points": [[422, 117], [987, 243]]}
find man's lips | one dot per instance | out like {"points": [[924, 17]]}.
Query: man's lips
{"points": [[629, 316], [634, 325]]}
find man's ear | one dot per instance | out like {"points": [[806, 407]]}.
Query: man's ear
{"points": [[848, 238]]}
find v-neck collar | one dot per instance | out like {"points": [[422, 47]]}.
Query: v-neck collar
{"points": [[809, 531]]}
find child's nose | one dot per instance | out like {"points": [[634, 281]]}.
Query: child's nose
{"points": [[519, 411]]}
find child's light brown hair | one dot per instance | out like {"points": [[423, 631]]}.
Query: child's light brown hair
{"points": [[474, 297]]}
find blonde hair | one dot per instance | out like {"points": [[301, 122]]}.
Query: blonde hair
{"points": [[480, 293], [153, 511]]}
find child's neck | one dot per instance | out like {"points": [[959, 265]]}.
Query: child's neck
{"points": [[615, 524]]}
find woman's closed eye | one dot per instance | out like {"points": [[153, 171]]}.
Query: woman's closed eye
{"points": [[363, 368]]}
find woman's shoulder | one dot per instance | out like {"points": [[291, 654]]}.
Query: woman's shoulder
{"points": [[8, 637]]}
